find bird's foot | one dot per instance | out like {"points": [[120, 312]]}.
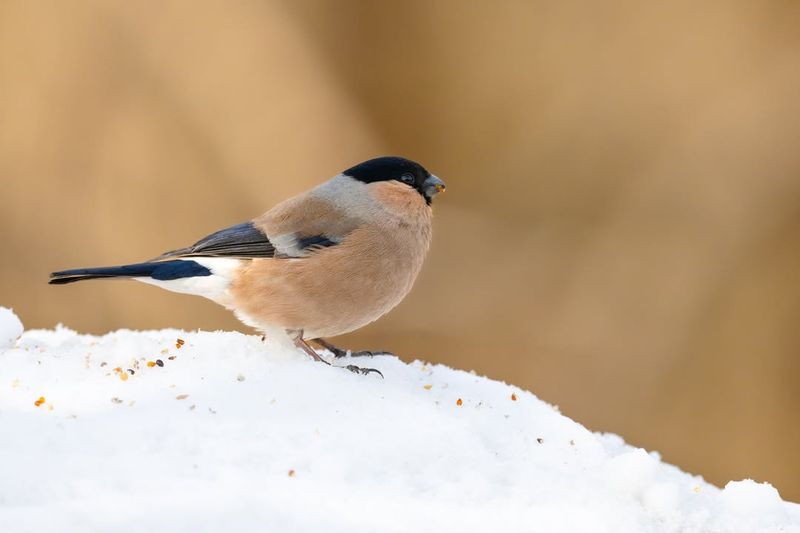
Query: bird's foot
{"points": [[300, 343], [363, 353], [363, 370], [339, 352]]}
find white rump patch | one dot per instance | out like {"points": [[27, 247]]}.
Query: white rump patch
{"points": [[213, 287]]}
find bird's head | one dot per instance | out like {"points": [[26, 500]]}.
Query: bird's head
{"points": [[398, 169]]}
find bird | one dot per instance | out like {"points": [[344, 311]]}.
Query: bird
{"points": [[325, 262]]}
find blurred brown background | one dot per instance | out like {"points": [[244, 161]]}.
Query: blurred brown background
{"points": [[621, 231]]}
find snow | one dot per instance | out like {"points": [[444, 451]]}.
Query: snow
{"points": [[10, 327], [233, 433]]}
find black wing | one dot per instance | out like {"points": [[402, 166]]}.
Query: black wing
{"points": [[243, 240], [246, 241]]}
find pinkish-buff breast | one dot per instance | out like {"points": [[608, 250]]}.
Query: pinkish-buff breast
{"points": [[343, 287]]}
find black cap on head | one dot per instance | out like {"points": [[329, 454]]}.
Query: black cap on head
{"points": [[392, 168], [386, 168]]}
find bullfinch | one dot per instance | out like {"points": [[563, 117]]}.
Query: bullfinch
{"points": [[323, 263]]}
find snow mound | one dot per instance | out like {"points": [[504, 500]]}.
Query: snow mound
{"points": [[10, 328], [177, 431]]}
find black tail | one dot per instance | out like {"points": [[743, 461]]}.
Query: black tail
{"points": [[162, 270]]}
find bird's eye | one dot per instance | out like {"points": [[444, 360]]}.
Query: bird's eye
{"points": [[407, 178]]}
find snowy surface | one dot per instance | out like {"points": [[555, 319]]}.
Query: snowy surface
{"points": [[10, 328], [232, 434]]}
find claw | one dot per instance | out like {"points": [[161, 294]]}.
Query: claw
{"points": [[363, 371]]}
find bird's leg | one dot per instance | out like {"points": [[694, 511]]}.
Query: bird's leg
{"points": [[339, 352], [300, 343], [303, 345]]}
